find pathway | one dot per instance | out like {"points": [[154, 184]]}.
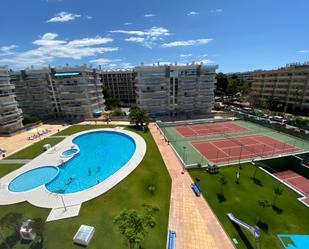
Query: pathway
{"points": [[14, 161], [191, 217]]}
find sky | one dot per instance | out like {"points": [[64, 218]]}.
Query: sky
{"points": [[237, 35]]}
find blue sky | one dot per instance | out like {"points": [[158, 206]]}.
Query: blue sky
{"points": [[237, 35]]}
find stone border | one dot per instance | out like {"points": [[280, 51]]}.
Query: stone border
{"points": [[41, 197]]}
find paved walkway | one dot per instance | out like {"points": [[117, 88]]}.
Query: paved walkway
{"points": [[19, 141], [14, 161], [195, 224]]}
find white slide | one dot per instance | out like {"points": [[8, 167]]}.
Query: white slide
{"points": [[255, 231]]}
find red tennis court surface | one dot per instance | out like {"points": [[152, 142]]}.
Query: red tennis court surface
{"points": [[295, 180], [209, 129], [224, 150]]}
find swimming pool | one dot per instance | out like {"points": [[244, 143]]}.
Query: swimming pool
{"points": [[294, 241], [33, 178], [69, 152], [101, 154]]}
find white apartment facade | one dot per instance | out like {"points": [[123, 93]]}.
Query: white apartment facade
{"points": [[175, 89], [68, 92], [10, 114]]}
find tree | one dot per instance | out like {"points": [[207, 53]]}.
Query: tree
{"points": [[222, 83], [38, 227], [138, 116], [222, 181], [110, 102], [12, 221], [134, 225], [272, 103], [277, 192]]}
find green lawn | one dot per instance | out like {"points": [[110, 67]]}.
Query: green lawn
{"points": [[243, 201], [77, 128], [35, 149], [132, 192], [7, 168]]}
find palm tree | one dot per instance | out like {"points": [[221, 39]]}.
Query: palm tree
{"points": [[138, 116]]}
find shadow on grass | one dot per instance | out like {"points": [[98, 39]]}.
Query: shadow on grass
{"points": [[243, 236], [221, 197], [257, 181], [10, 241], [277, 209], [263, 226]]}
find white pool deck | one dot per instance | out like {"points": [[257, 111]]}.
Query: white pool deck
{"points": [[72, 202]]}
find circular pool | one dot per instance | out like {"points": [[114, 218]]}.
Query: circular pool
{"points": [[33, 178], [69, 152]]}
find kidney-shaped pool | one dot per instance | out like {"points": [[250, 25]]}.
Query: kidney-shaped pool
{"points": [[101, 154]]}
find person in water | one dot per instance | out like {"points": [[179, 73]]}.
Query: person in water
{"points": [[69, 180], [89, 171], [98, 168]]}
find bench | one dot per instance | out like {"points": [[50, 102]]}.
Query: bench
{"points": [[171, 239], [196, 189]]}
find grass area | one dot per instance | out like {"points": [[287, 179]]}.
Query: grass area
{"points": [[132, 192], [7, 168], [192, 156], [35, 149], [77, 128], [288, 216]]}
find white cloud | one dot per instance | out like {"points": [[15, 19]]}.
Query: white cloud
{"points": [[203, 55], [216, 10], [88, 17], [103, 61], [7, 50], [154, 31], [149, 15], [185, 55], [127, 23], [205, 61], [192, 13], [303, 51], [64, 17], [90, 41], [111, 63], [135, 39], [49, 48], [187, 43], [149, 35]]}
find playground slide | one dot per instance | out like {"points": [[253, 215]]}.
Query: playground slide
{"points": [[255, 231]]}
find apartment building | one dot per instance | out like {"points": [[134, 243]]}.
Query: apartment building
{"points": [[288, 85], [121, 85], [68, 92], [10, 114], [33, 91], [175, 89]]}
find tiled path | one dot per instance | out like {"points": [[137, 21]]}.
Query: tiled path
{"points": [[195, 224]]}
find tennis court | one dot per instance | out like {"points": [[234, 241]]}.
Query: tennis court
{"points": [[295, 180], [210, 129], [241, 148], [200, 142]]}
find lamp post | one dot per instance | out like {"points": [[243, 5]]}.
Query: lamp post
{"points": [[184, 159]]}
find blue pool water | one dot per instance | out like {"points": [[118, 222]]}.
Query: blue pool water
{"points": [[33, 178], [69, 152], [101, 154], [294, 241]]}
